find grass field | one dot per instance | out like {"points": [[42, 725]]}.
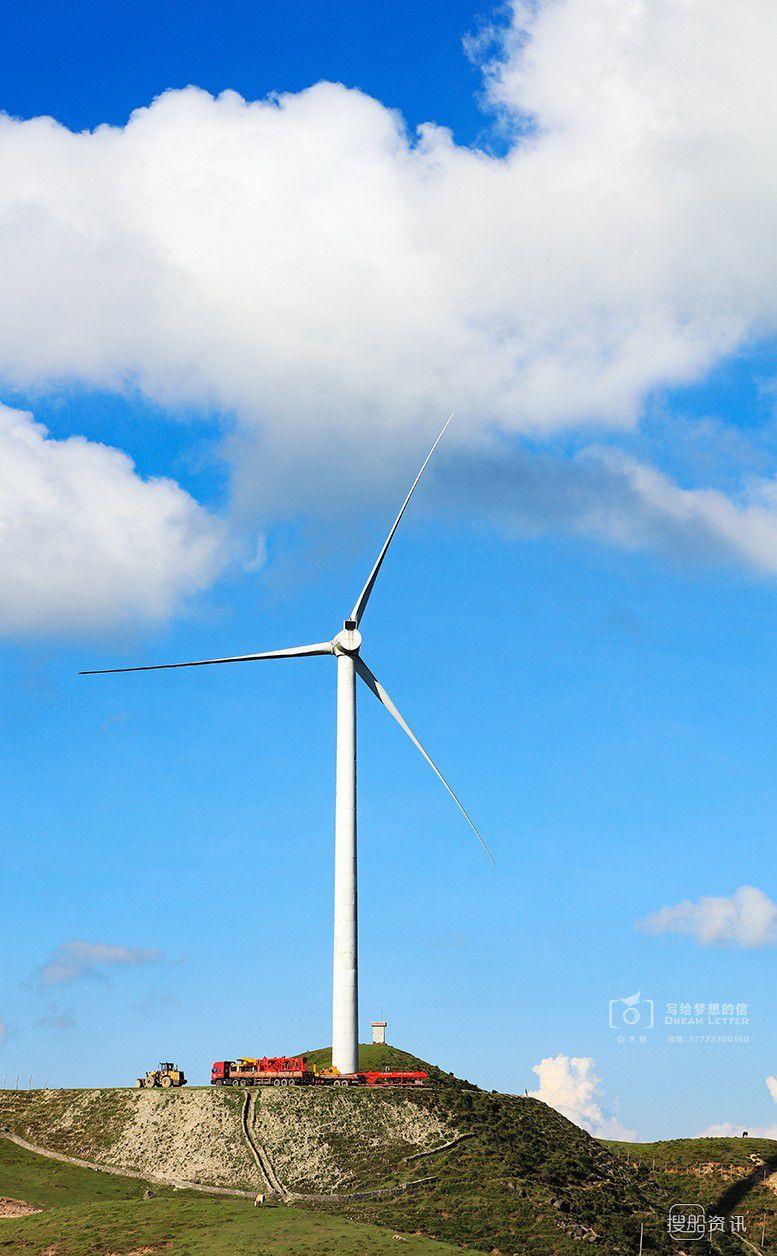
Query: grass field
{"points": [[86, 1213]]}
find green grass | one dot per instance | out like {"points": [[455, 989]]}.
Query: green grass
{"points": [[86, 1213], [528, 1180], [726, 1175], [51, 1184], [689, 1153], [201, 1227], [531, 1180]]}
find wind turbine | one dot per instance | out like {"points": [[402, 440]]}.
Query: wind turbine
{"points": [[346, 647]]}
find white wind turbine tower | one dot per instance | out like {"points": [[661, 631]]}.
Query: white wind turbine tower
{"points": [[345, 646]]}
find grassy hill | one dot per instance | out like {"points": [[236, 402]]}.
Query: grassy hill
{"points": [[517, 1177], [84, 1213], [477, 1171], [376, 1057], [729, 1176]]}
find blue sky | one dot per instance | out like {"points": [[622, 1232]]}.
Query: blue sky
{"points": [[576, 616]]}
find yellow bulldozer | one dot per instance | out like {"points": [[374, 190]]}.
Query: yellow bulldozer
{"points": [[166, 1075]]}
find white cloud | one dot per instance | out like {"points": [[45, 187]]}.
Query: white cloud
{"points": [[78, 958], [747, 919], [662, 514], [726, 1129], [571, 1086], [3, 1031], [335, 285], [85, 541], [604, 493]]}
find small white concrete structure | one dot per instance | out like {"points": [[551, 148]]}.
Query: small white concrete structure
{"points": [[379, 1031]]}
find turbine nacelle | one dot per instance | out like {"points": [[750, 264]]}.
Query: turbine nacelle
{"points": [[348, 640]]}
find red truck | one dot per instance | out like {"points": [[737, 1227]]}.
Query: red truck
{"points": [[280, 1070], [284, 1070]]}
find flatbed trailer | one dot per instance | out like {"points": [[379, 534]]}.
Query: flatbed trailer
{"points": [[394, 1079], [373, 1078]]}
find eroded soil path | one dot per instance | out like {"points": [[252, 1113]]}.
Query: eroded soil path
{"points": [[15, 1207]]}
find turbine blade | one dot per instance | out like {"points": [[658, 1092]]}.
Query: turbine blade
{"points": [[374, 684], [293, 652], [364, 596]]}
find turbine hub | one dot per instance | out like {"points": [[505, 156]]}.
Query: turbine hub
{"points": [[349, 640]]}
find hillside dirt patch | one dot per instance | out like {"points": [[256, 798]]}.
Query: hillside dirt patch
{"points": [[15, 1207], [331, 1140], [76, 1122], [724, 1172], [139, 1251], [190, 1135]]}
